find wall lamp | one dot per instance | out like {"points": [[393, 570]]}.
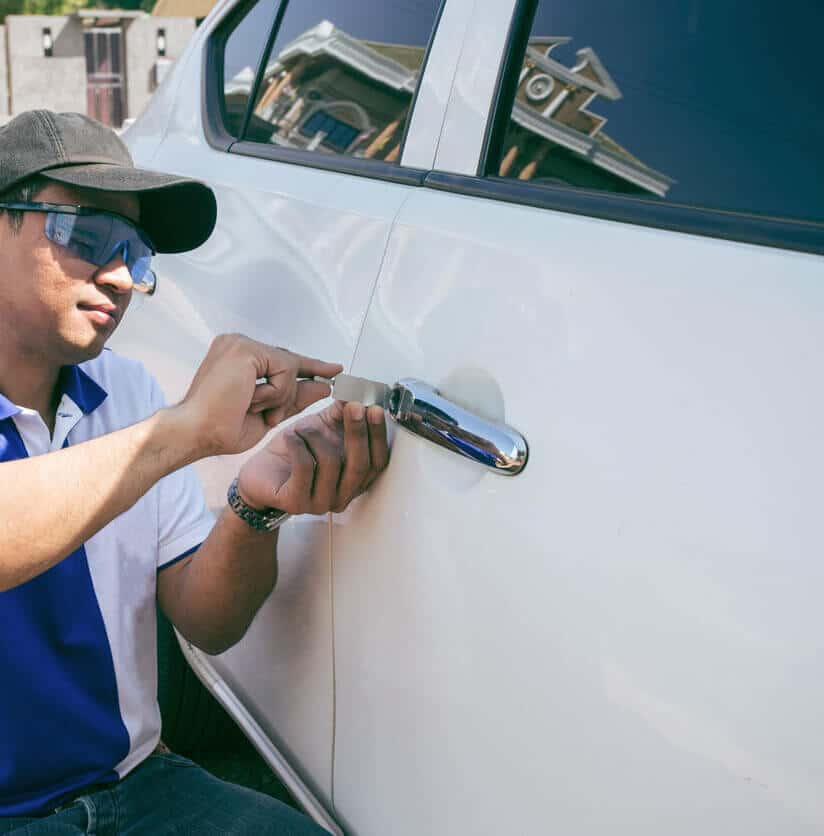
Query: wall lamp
{"points": [[161, 42], [48, 43]]}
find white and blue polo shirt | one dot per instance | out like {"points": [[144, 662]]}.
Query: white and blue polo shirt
{"points": [[78, 655]]}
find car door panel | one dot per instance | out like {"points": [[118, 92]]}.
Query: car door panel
{"points": [[591, 644], [293, 261]]}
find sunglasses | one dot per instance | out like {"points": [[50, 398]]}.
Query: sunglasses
{"points": [[98, 236]]}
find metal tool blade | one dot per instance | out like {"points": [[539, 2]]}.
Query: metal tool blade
{"points": [[347, 387]]}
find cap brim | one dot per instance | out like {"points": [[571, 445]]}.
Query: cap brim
{"points": [[178, 213]]}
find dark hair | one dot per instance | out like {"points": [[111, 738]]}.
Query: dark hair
{"points": [[21, 192]]}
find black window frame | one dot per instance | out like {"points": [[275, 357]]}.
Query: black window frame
{"points": [[218, 137], [745, 227]]}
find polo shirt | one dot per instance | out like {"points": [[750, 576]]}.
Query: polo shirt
{"points": [[78, 645]]}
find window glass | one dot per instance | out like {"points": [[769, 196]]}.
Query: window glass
{"points": [[706, 102], [341, 76], [241, 58]]}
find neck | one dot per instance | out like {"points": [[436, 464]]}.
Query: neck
{"points": [[28, 381]]}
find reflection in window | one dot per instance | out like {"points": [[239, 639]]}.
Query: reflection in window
{"points": [[691, 102], [556, 135], [241, 57], [344, 87], [324, 129]]}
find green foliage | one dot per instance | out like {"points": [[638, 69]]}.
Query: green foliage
{"points": [[61, 7]]}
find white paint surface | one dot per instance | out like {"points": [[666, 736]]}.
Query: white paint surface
{"points": [[626, 638]]}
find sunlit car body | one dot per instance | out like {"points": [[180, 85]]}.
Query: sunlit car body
{"points": [[627, 636]]}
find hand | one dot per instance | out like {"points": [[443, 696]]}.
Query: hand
{"points": [[226, 408], [320, 463]]}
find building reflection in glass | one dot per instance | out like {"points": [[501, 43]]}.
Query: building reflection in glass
{"points": [[327, 91], [555, 138]]}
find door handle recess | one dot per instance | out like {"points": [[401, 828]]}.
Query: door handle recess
{"points": [[420, 408]]}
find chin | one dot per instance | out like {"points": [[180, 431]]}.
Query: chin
{"points": [[77, 351]]}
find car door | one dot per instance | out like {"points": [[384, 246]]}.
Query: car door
{"points": [[296, 114], [619, 254]]}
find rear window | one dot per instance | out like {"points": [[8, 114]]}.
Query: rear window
{"points": [[714, 104]]}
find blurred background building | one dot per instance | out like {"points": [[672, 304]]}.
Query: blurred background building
{"points": [[105, 62]]}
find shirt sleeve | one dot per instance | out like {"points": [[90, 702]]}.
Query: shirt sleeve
{"points": [[184, 519]]}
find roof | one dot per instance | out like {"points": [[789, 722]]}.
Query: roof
{"points": [[410, 57], [108, 14], [183, 8]]}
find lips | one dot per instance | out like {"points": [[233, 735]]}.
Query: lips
{"points": [[107, 309]]}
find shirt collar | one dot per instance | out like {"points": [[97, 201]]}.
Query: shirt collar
{"points": [[74, 383], [7, 408]]}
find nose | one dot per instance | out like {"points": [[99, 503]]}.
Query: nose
{"points": [[115, 274]]}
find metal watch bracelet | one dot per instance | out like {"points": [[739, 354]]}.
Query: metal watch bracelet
{"points": [[267, 520]]}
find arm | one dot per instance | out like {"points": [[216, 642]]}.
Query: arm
{"points": [[319, 464], [224, 411], [212, 596], [98, 481]]}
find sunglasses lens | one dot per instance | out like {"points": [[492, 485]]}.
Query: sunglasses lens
{"points": [[98, 238]]}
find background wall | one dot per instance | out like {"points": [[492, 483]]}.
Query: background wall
{"points": [[29, 80], [141, 54], [59, 82]]}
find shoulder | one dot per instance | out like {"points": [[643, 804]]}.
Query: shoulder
{"points": [[131, 392]]}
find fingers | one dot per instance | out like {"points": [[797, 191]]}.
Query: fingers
{"points": [[294, 495], [336, 455], [366, 451], [328, 464], [273, 361], [283, 394], [378, 444], [263, 398], [287, 398], [356, 455], [309, 392]]}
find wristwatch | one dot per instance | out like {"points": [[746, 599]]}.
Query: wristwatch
{"points": [[267, 520]]}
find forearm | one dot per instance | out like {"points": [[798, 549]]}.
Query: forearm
{"points": [[216, 595], [55, 502]]}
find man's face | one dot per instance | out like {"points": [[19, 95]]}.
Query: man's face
{"points": [[54, 305]]}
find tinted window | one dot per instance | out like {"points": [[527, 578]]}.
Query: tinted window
{"points": [[705, 102], [245, 45], [341, 76]]}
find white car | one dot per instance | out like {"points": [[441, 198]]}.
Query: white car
{"points": [[595, 227]]}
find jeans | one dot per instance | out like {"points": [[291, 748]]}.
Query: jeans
{"points": [[168, 795]]}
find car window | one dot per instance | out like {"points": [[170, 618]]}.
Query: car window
{"points": [[340, 77], [701, 102], [245, 44]]}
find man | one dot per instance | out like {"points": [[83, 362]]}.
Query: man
{"points": [[102, 514]]}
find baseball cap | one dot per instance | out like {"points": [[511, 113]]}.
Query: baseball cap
{"points": [[178, 213]]}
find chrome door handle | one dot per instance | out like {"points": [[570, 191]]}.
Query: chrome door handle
{"points": [[421, 409]]}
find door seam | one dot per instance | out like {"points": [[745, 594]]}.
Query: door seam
{"points": [[392, 224], [373, 289]]}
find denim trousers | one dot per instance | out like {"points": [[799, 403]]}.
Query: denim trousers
{"points": [[169, 795]]}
